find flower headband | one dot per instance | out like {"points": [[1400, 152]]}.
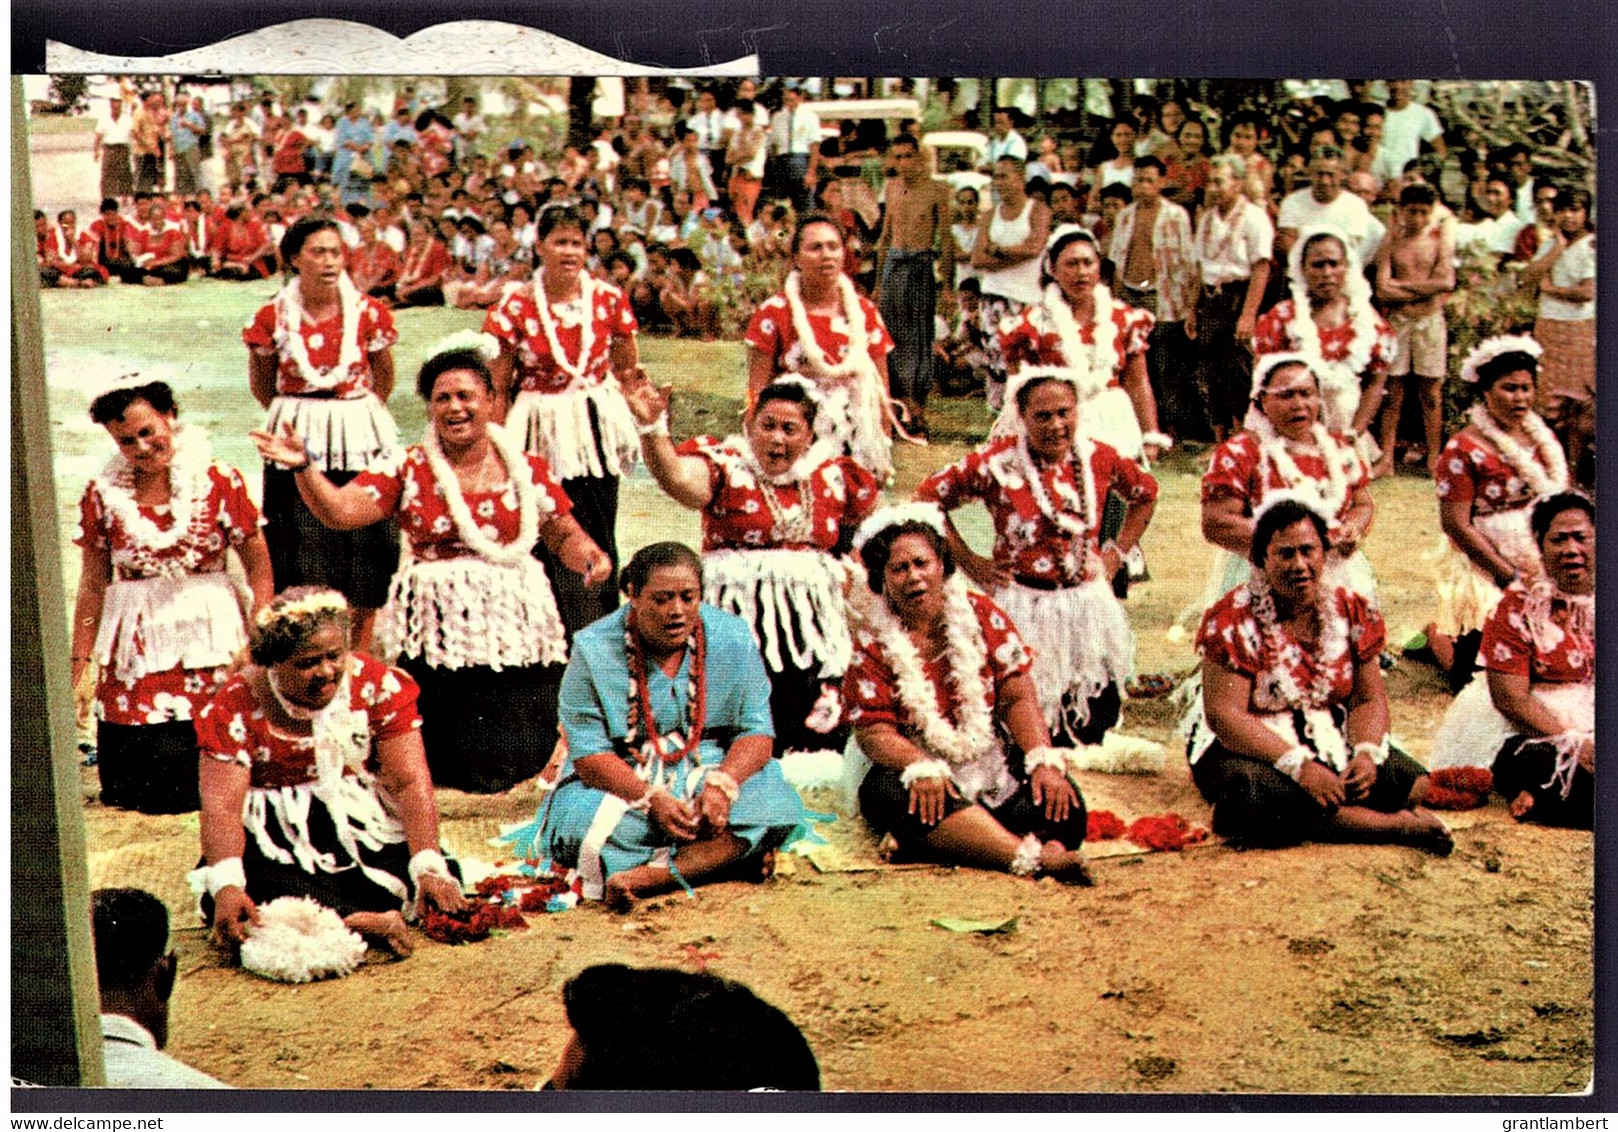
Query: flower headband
{"points": [[1062, 232], [1491, 348], [485, 346], [1267, 364], [928, 513], [309, 605], [1275, 498]]}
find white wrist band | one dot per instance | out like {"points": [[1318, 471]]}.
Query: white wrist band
{"points": [[1292, 763], [1044, 756], [1025, 863], [659, 427], [723, 782], [923, 768], [1377, 751], [1160, 440], [225, 874], [428, 862]]}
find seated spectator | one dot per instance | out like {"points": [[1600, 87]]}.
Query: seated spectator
{"points": [[79, 248], [961, 353], [658, 1028], [687, 297], [245, 250], [161, 257], [426, 267], [646, 297], [53, 268], [135, 973], [373, 265]]}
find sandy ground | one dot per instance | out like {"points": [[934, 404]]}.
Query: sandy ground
{"points": [[1320, 969]]}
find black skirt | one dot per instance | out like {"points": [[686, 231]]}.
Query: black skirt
{"points": [[486, 730], [150, 768], [306, 552], [885, 804]]}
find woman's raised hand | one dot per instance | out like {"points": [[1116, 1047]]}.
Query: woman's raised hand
{"points": [[287, 449], [647, 402]]}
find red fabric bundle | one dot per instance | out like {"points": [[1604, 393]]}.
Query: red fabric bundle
{"points": [[1168, 832], [1459, 788], [472, 925], [1103, 825]]}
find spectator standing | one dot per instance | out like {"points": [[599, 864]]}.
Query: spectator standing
{"points": [[795, 145], [1325, 204], [146, 143], [1011, 238], [239, 137], [186, 128], [112, 140], [1406, 126]]}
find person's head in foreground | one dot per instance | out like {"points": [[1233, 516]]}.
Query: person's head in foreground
{"points": [[134, 966], [659, 1028]]}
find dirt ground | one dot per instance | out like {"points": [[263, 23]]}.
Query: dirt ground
{"points": [[1321, 969]]}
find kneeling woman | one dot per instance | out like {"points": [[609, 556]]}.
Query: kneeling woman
{"points": [[1531, 712], [470, 612], [668, 779], [1045, 484], [1292, 745], [316, 752], [935, 671]]}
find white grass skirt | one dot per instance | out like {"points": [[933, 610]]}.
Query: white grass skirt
{"points": [[343, 435], [557, 427], [793, 599], [1080, 638], [464, 612], [154, 624], [1466, 595], [1473, 730]]}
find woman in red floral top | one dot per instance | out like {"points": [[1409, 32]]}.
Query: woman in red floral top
{"points": [[1290, 742], [320, 358], [566, 342], [1487, 478], [1045, 485], [819, 326], [156, 610], [470, 612], [1531, 711], [315, 751], [778, 508], [939, 676]]}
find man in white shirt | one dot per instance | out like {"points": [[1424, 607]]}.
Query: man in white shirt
{"points": [[112, 151], [1005, 140], [469, 129], [1233, 244], [1325, 202], [135, 971], [1497, 231], [1518, 160], [1405, 126], [795, 146], [708, 123]]}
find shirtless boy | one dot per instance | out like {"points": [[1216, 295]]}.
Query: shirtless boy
{"points": [[915, 222], [1414, 271]]}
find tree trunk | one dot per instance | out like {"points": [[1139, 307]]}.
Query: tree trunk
{"points": [[581, 93]]}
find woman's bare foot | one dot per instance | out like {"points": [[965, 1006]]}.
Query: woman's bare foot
{"points": [[1383, 467], [382, 929], [1522, 805], [1442, 646], [1065, 865], [625, 890]]}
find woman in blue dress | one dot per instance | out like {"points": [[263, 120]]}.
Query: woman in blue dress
{"points": [[355, 136], [640, 811]]}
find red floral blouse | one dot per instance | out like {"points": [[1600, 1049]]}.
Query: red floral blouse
{"points": [[324, 341], [1270, 337], [227, 518], [232, 727], [1471, 471], [842, 494], [1032, 339], [772, 332], [1239, 470], [1026, 539], [1229, 636], [514, 320], [406, 486], [1509, 648], [870, 688]]}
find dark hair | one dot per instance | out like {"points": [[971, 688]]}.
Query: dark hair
{"points": [[561, 216], [1515, 149], [1513, 361], [906, 140], [1064, 187], [112, 406], [1278, 518], [685, 257], [1419, 193], [131, 928], [879, 548], [1149, 161], [276, 638], [438, 365], [1119, 191], [1569, 197], [1325, 152], [657, 1028], [813, 218], [298, 234], [1026, 390], [1546, 510], [617, 258], [1060, 245], [791, 392], [1244, 118], [972, 285], [38, 214], [109, 204], [654, 557]]}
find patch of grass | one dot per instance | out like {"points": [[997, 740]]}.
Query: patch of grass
{"points": [[46, 124]]}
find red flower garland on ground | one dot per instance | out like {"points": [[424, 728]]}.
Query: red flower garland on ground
{"points": [[1459, 788], [472, 925], [1169, 832], [1103, 825]]}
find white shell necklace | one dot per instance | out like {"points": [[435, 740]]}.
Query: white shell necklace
{"points": [[587, 329], [466, 527]]}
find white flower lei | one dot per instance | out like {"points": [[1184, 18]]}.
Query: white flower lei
{"points": [[1344, 373], [188, 490], [1084, 498], [858, 364], [1097, 362], [798, 528], [587, 332], [1333, 494], [965, 655], [1333, 643], [1544, 469], [466, 527], [289, 318], [1546, 633], [341, 734]]}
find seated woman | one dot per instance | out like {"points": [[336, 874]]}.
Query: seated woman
{"points": [[1531, 712], [668, 779], [1284, 447], [777, 508], [316, 752], [1292, 743], [470, 614], [935, 669], [1045, 483]]}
